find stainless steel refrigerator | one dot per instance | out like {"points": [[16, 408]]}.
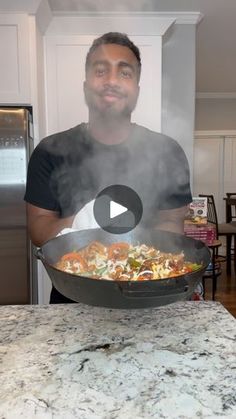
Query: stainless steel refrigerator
{"points": [[18, 270]]}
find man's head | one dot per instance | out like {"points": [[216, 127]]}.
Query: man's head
{"points": [[113, 67], [115, 38]]}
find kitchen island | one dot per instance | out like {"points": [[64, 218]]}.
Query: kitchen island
{"points": [[75, 361]]}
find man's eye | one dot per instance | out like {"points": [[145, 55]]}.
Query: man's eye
{"points": [[99, 72], [126, 74]]}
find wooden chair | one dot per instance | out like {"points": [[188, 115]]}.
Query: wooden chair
{"points": [[230, 207], [213, 271], [230, 215], [227, 230]]}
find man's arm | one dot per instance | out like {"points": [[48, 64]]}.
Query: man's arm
{"points": [[44, 224], [172, 219]]}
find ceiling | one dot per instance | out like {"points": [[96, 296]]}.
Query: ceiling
{"points": [[216, 33]]}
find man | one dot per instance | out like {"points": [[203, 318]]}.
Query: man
{"points": [[67, 170]]}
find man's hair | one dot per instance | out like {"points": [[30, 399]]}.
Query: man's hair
{"points": [[114, 38]]}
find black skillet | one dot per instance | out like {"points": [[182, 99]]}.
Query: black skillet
{"points": [[130, 294]]}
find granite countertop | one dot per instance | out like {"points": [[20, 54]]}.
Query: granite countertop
{"points": [[75, 361]]}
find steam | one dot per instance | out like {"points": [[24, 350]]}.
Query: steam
{"points": [[113, 167]]}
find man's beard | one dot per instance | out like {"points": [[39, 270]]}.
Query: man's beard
{"points": [[109, 110]]}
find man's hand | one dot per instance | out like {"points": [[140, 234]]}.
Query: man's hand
{"points": [[172, 220], [44, 224]]}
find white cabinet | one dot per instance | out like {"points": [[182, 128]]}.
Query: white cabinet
{"points": [[14, 52], [214, 169], [22, 66]]}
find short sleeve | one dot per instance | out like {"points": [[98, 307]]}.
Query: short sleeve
{"points": [[175, 191], [39, 190]]}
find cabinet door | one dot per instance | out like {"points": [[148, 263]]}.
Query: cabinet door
{"points": [[14, 53], [65, 73], [208, 170]]}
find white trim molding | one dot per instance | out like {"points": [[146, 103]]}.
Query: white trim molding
{"points": [[217, 133], [132, 23], [100, 23], [190, 18], [216, 95]]}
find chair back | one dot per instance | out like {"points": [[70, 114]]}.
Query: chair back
{"points": [[211, 211], [230, 201]]}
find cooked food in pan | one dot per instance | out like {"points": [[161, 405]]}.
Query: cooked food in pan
{"points": [[124, 262]]}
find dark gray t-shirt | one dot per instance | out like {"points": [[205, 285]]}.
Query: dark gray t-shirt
{"points": [[68, 169]]}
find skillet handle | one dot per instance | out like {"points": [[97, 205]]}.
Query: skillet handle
{"points": [[133, 294], [39, 254]]}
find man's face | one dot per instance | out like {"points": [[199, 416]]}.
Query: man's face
{"points": [[111, 87]]}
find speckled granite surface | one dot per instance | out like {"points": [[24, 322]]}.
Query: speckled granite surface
{"points": [[75, 361]]}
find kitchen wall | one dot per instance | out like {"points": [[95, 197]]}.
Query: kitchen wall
{"points": [[215, 149], [215, 114], [178, 86]]}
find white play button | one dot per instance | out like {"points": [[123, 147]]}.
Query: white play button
{"points": [[116, 209]]}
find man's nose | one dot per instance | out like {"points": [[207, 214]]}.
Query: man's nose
{"points": [[112, 77]]}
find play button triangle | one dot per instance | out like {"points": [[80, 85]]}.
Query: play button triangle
{"points": [[116, 209]]}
